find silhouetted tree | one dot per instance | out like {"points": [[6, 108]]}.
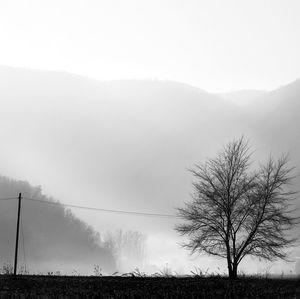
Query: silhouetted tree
{"points": [[235, 212]]}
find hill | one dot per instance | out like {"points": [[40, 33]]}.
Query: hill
{"points": [[127, 145], [242, 97], [51, 235]]}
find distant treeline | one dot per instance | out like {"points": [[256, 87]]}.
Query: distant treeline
{"points": [[53, 236]]}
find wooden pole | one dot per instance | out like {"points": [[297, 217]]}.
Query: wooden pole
{"points": [[17, 235]]}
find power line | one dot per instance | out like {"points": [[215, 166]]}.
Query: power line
{"points": [[9, 198], [134, 213]]}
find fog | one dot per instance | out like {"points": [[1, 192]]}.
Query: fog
{"points": [[215, 45], [127, 145]]}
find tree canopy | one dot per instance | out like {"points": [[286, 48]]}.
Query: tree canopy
{"points": [[237, 211]]}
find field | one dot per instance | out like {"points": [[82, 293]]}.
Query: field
{"points": [[35, 286]]}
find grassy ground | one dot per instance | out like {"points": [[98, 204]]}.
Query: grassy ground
{"points": [[34, 286]]}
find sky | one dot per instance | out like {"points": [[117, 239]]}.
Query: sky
{"points": [[215, 45]]}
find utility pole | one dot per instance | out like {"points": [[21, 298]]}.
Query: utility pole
{"points": [[17, 236]]}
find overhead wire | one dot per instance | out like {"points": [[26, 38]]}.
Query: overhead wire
{"points": [[8, 198], [134, 213]]}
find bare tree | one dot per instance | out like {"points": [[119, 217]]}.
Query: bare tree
{"points": [[235, 212], [129, 247]]}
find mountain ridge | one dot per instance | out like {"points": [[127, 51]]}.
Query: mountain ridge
{"points": [[5, 68], [128, 146]]}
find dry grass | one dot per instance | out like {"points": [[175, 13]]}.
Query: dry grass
{"points": [[139, 286]]}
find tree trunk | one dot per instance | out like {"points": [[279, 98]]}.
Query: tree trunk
{"points": [[233, 274], [229, 272], [229, 264]]}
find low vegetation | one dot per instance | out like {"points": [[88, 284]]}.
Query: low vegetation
{"points": [[140, 286]]}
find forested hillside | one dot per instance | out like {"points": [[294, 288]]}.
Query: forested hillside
{"points": [[54, 239]]}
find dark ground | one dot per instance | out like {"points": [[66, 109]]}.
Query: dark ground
{"points": [[34, 286]]}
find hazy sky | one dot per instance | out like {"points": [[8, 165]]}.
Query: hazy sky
{"points": [[216, 45]]}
